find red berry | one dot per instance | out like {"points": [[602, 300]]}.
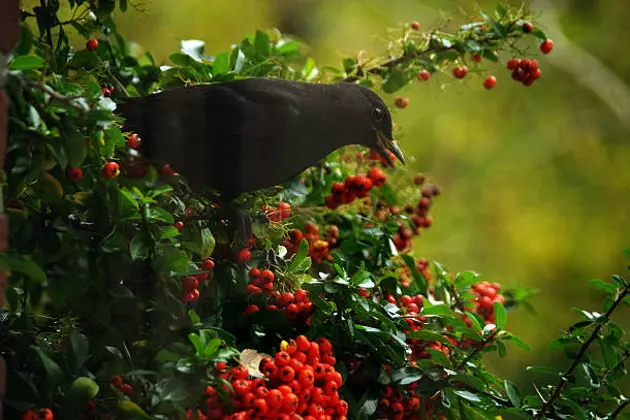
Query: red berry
{"points": [[243, 256], [424, 75], [207, 265], [107, 92], [91, 44], [476, 58], [252, 309], [190, 283], [134, 141], [513, 63], [290, 402], [267, 276], [303, 344], [460, 72], [527, 27], [111, 170], [241, 386], [116, 380], [260, 407], [282, 358], [490, 82], [126, 389], [274, 398], [415, 26], [179, 225], [546, 46], [400, 103], [75, 174], [239, 372]]}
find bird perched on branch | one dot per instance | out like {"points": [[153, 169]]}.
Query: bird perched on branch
{"points": [[250, 134]]}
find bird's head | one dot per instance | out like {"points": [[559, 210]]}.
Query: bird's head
{"points": [[381, 120]]}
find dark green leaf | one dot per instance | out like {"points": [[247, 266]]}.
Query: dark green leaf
{"points": [[602, 285], [53, 371], [28, 267], [513, 393], [80, 349]]}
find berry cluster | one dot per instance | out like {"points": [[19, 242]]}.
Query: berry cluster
{"points": [[318, 248], [524, 71], [375, 156], [277, 214], [41, 414], [355, 186], [485, 296], [398, 405], [405, 272], [107, 91], [301, 383], [118, 383], [191, 283], [418, 216], [296, 305]]}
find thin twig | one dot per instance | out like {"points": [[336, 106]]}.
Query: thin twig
{"points": [[477, 349], [583, 349], [69, 99], [619, 409]]}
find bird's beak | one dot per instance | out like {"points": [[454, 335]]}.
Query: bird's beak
{"points": [[386, 144]]}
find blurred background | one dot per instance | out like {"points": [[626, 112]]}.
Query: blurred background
{"points": [[535, 180]]}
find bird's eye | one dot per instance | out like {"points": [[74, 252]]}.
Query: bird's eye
{"points": [[377, 114]]}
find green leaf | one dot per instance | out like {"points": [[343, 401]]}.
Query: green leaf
{"points": [[513, 393], [76, 148], [418, 277], [602, 285], [53, 371], [261, 44], [181, 59], [139, 248], [511, 338], [467, 395], [394, 80], [80, 349], [207, 243], [27, 62], [27, 267], [500, 315], [221, 64], [438, 357], [301, 261], [84, 389], [171, 260], [132, 409], [440, 309], [543, 370]]}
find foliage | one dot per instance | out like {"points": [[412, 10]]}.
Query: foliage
{"points": [[127, 300]]}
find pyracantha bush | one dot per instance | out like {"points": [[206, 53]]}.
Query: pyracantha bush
{"points": [[127, 299]]}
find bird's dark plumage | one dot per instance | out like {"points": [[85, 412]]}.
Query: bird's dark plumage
{"points": [[251, 134]]}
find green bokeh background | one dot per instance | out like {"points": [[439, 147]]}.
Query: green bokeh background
{"points": [[535, 180]]}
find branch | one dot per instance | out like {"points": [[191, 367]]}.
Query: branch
{"points": [[583, 349], [619, 409], [477, 349], [58, 96]]}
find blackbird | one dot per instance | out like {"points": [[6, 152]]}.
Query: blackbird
{"points": [[250, 134]]}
